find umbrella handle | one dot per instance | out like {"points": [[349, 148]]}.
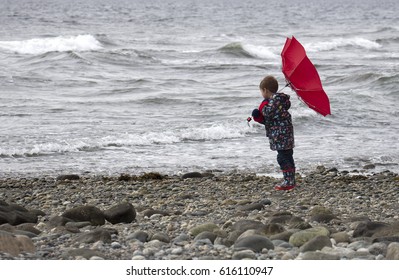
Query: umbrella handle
{"points": [[287, 85]]}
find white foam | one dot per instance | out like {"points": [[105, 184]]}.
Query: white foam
{"points": [[260, 51], [55, 44], [211, 133], [342, 42]]}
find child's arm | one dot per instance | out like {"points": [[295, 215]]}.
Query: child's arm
{"points": [[257, 116]]}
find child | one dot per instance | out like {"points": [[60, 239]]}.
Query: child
{"points": [[273, 113]]}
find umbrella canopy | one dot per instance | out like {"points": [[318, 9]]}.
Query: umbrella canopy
{"points": [[302, 77]]}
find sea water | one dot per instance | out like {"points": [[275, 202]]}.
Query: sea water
{"points": [[134, 86]]}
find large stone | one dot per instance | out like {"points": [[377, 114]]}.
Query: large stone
{"points": [[121, 213], [393, 251], [15, 244], [321, 214], [341, 237], [389, 231], [301, 237], [211, 227], [255, 243], [86, 213], [15, 215], [317, 243], [368, 229]]}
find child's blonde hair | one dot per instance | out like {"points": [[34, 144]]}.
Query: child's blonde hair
{"points": [[269, 83]]}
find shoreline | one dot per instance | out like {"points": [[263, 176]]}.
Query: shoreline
{"points": [[213, 215]]}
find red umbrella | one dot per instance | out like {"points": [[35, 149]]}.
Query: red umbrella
{"points": [[302, 77]]}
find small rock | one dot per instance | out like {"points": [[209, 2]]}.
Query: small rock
{"points": [[160, 237], [192, 175], [317, 256], [244, 254], [98, 234], [85, 253], [70, 177], [251, 207]]}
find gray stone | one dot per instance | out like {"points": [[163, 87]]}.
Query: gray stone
{"points": [[244, 254], [393, 251], [250, 207], [317, 256], [341, 237], [301, 237], [86, 213], [285, 235], [69, 177], [206, 235], [317, 243], [151, 212], [85, 253], [139, 235], [98, 234], [211, 227], [121, 213], [15, 244], [160, 237], [321, 214], [368, 229], [378, 249], [245, 225], [254, 242], [192, 175], [56, 221]]}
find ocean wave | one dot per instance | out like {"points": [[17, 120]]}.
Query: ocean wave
{"points": [[342, 42], [39, 46], [248, 51], [129, 141]]}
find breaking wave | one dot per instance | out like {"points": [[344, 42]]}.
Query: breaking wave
{"points": [[38, 46], [211, 133], [342, 42], [248, 50]]}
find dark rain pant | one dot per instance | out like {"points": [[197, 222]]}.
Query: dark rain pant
{"points": [[286, 161]]}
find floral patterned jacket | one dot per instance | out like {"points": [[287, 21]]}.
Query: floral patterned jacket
{"points": [[278, 122]]}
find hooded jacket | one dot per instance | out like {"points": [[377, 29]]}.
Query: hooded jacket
{"points": [[278, 122]]}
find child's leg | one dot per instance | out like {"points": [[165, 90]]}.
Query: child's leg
{"points": [[286, 161]]}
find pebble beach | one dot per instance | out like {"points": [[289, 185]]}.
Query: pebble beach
{"points": [[332, 215]]}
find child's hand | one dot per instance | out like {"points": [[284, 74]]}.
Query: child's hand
{"points": [[256, 113]]}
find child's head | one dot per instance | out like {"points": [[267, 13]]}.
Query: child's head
{"points": [[268, 86]]}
